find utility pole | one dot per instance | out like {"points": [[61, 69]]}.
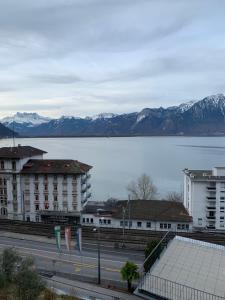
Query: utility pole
{"points": [[129, 210], [124, 211], [99, 256]]}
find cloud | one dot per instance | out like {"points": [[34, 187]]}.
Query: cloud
{"points": [[90, 56]]}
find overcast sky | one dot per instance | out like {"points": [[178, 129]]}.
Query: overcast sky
{"points": [[83, 57]]}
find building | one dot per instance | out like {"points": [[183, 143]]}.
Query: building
{"points": [[37, 189], [204, 197], [138, 214], [186, 269]]}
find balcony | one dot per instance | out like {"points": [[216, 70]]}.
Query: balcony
{"points": [[211, 198], [211, 188], [211, 217], [211, 207]]}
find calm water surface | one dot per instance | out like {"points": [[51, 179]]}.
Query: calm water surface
{"points": [[117, 161]]}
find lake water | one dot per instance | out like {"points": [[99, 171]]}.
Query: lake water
{"points": [[117, 161]]}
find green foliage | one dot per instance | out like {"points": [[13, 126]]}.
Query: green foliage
{"points": [[29, 285], [8, 264], [129, 272], [18, 277], [148, 250]]}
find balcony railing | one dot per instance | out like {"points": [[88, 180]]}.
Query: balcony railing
{"points": [[211, 188], [211, 207], [159, 288], [211, 217]]}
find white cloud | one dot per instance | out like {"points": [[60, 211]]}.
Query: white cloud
{"points": [[84, 57]]}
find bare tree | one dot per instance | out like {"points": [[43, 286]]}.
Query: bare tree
{"points": [[174, 196], [143, 188]]}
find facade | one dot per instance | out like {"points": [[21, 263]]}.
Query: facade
{"points": [[204, 197], [36, 189], [138, 214]]}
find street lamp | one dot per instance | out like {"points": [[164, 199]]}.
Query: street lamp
{"points": [[99, 250]]}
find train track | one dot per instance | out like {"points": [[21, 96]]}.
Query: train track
{"points": [[111, 235]]}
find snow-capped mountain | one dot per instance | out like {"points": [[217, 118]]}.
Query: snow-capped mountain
{"points": [[102, 116], [32, 119], [203, 117]]}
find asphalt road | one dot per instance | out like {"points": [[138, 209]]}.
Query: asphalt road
{"points": [[48, 258]]}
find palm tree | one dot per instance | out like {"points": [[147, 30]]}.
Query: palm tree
{"points": [[129, 272]]}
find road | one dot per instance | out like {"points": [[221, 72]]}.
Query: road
{"points": [[47, 258]]}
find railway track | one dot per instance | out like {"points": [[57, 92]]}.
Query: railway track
{"points": [[111, 235]]}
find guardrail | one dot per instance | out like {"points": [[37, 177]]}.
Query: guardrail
{"points": [[166, 289]]}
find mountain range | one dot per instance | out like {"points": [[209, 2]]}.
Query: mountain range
{"points": [[204, 117]]}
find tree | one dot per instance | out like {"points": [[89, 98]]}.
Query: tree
{"points": [[174, 196], [148, 250], [143, 188], [29, 284], [9, 261], [129, 272]]}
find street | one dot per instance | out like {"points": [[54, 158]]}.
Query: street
{"points": [[48, 258]]}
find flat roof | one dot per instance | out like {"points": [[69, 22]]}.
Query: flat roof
{"points": [[191, 263]]}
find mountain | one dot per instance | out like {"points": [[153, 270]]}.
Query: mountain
{"points": [[6, 132], [20, 121], [204, 117]]}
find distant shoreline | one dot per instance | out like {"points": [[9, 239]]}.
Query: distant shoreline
{"points": [[105, 136]]}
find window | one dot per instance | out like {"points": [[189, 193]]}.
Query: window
{"points": [[37, 219], [55, 198], [55, 177], [104, 221], [13, 165], [14, 177], [36, 177], [222, 198], [92, 220], [130, 223], [36, 186], [64, 177], [83, 220], [139, 224], [187, 226], [36, 197], [221, 218], [169, 226], [55, 187], [37, 207], [109, 222], [161, 225], [148, 224], [45, 177], [46, 197], [121, 223], [46, 187], [87, 220], [2, 165]]}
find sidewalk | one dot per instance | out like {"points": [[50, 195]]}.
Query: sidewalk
{"points": [[29, 237], [85, 290]]}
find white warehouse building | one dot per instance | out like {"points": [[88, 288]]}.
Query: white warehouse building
{"points": [[37, 189], [204, 197]]}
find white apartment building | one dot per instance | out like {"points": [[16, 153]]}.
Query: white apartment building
{"points": [[204, 197], [160, 215], [37, 189]]}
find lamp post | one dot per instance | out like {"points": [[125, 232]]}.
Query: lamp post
{"points": [[99, 249]]}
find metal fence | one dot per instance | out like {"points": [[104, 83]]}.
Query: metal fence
{"points": [[166, 289], [156, 252]]}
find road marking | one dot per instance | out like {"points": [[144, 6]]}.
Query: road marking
{"points": [[64, 254], [77, 265]]}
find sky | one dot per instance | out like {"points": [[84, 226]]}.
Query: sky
{"points": [[84, 57]]}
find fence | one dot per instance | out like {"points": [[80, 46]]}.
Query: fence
{"points": [[166, 289], [156, 252]]}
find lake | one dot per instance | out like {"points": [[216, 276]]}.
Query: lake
{"points": [[117, 161]]}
